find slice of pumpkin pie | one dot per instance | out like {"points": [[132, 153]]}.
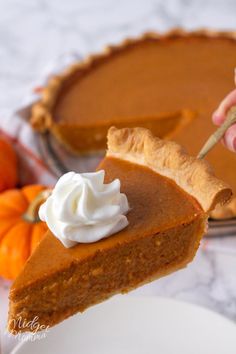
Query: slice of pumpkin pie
{"points": [[144, 223]]}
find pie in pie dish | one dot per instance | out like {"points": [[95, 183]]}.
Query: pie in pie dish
{"points": [[170, 195], [158, 82]]}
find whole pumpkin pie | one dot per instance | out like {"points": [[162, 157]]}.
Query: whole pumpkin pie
{"points": [[158, 82], [170, 195]]}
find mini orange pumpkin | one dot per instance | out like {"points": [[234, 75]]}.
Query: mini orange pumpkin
{"points": [[8, 165], [20, 227]]}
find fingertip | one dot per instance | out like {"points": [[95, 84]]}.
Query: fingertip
{"points": [[230, 138], [217, 118], [220, 114]]}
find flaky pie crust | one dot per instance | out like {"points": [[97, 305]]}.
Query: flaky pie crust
{"points": [[169, 159]]}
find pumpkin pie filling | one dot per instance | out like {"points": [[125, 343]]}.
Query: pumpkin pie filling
{"points": [[161, 220], [148, 77], [166, 223], [146, 82]]}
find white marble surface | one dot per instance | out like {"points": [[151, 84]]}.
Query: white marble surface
{"points": [[33, 32]]}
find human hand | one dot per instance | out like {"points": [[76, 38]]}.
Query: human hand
{"points": [[219, 116]]}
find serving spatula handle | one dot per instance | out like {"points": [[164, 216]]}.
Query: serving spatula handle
{"points": [[219, 133]]}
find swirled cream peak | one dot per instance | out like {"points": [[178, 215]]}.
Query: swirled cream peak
{"points": [[83, 209]]}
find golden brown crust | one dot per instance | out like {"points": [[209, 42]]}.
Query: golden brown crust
{"points": [[169, 159], [41, 117], [228, 211]]}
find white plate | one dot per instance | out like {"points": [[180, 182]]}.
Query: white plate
{"points": [[130, 325]]}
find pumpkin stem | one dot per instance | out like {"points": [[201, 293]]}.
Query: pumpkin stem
{"points": [[31, 215]]}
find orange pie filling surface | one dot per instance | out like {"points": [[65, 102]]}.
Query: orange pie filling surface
{"points": [[170, 85], [164, 231]]}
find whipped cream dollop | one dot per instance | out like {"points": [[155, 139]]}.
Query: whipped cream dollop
{"points": [[81, 208]]}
